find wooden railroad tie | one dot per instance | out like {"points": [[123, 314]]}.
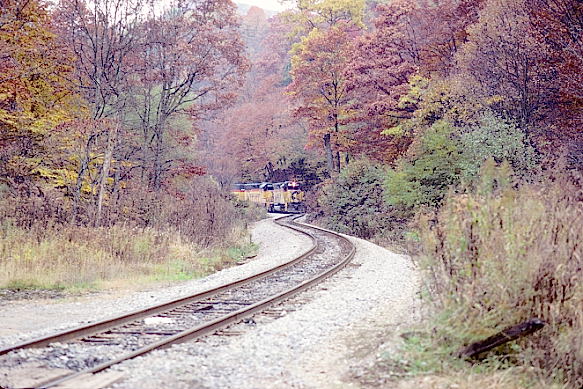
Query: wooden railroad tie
{"points": [[509, 334]]}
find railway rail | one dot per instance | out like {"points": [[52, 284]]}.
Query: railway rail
{"points": [[117, 339]]}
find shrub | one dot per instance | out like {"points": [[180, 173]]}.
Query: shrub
{"points": [[495, 138], [446, 156], [500, 255], [148, 233], [353, 202], [204, 213], [199, 210], [425, 178]]}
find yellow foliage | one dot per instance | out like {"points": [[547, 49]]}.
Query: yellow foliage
{"points": [[332, 11], [35, 96], [312, 14]]}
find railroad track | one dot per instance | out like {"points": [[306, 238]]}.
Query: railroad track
{"points": [[115, 340]]}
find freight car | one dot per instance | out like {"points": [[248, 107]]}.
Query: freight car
{"points": [[286, 197]]}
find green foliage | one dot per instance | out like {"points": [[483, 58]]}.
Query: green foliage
{"points": [[412, 101], [242, 252], [446, 156], [425, 178], [324, 14], [353, 203], [500, 140]]}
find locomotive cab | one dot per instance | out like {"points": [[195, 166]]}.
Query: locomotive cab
{"points": [[292, 197], [292, 186], [267, 189]]}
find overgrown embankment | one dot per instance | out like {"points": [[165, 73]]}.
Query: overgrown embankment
{"points": [[156, 237], [496, 251], [497, 256]]}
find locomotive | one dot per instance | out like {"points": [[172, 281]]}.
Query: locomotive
{"points": [[285, 197]]}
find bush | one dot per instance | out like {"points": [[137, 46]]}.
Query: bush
{"points": [[204, 213], [495, 138], [353, 202], [446, 156], [198, 210], [425, 178], [176, 235], [499, 255]]}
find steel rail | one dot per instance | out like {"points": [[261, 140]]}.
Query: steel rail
{"points": [[216, 324], [209, 327], [99, 326]]}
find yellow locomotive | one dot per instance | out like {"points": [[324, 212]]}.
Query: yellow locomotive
{"points": [[287, 196]]}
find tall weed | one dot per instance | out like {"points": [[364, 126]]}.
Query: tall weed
{"points": [[499, 255], [88, 257]]}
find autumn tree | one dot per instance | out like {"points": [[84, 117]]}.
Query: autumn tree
{"points": [[190, 62], [440, 30], [254, 28], [310, 14], [319, 87], [102, 35], [34, 93], [408, 39], [377, 76], [501, 64], [258, 139], [557, 28]]}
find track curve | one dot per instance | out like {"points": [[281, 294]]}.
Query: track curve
{"points": [[203, 313]]}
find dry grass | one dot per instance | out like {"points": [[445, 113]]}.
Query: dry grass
{"points": [[507, 379], [146, 237], [501, 255], [84, 257]]}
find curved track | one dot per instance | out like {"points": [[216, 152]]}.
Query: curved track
{"points": [[136, 333]]}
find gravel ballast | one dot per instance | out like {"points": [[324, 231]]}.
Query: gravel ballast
{"points": [[311, 341], [311, 346]]}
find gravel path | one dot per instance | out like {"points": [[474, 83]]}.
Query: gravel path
{"points": [[313, 345], [23, 320]]}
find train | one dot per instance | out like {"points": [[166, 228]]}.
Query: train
{"points": [[283, 197]]}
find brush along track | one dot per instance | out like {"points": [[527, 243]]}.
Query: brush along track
{"points": [[93, 348]]}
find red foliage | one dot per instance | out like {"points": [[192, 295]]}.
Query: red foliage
{"points": [[257, 134], [320, 90], [558, 25], [408, 38], [377, 76]]}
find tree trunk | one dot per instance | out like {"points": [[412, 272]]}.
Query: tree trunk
{"points": [[80, 175], [337, 153], [111, 139], [156, 174], [269, 171], [337, 162], [115, 193], [329, 155]]}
